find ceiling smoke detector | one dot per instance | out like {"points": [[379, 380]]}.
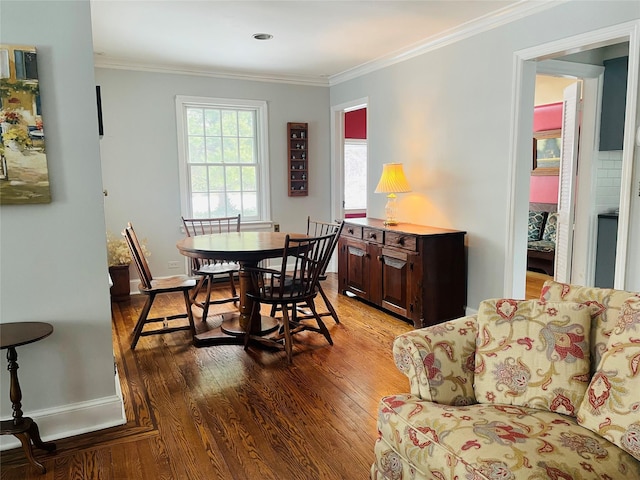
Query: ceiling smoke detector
{"points": [[262, 36]]}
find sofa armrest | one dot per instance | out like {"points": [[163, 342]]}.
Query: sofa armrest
{"points": [[439, 361]]}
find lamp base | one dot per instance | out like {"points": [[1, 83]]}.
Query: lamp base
{"points": [[390, 210], [389, 223]]}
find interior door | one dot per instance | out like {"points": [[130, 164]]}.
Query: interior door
{"points": [[567, 182]]}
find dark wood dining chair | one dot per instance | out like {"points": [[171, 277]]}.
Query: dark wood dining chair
{"points": [[210, 270], [153, 287], [295, 283], [316, 228]]}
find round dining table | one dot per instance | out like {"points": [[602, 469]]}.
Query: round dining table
{"points": [[248, 249]]}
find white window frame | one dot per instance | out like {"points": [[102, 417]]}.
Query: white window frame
{"points": [[262, 149]]}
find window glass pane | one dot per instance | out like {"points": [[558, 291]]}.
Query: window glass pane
{"points": [[198, 179], [195, 121], [230, 149], [234, 206], [196, 150], [200, 205], [214, 150], [216, 179], [233, 179], [246, 150], [355, 174], [229, 123], [249, 204], [245, 124], [4, 63], [249, 182], [212, 123], [217, 205]]}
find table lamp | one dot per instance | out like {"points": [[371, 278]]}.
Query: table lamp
{"points": [[392, 181]]}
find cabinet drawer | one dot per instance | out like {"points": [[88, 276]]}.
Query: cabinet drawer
{"points": [[352, 231], [373, 235], [400, 240]]}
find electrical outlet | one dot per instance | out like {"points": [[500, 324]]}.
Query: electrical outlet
{"points": [[276, 227], [174, 264]]}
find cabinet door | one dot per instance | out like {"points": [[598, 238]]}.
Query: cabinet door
{"points": [[396, 268], [354, 267]]}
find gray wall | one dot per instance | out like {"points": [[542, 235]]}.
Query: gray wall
{"points": [[140, 153], [447, 115], [53, 266]]}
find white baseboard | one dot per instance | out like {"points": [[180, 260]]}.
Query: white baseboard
{"points": [[75, 419]]}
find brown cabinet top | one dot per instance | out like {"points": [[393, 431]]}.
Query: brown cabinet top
{"points": [[401, 227]]}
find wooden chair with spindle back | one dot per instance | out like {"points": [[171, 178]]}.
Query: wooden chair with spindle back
{"points": [[153, 287], [287, 288], [210, 270]]}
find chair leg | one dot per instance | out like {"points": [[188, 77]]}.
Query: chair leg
{"points": [[332, 310], [288, 340], [142, 319], [323, 328], [232, 284], [187, 304], [205, 304]]}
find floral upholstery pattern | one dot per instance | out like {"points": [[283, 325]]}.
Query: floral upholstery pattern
{"points": [[420, 440], [611, 407], [439, 361], [533, 354], [535, 225], [440, 432], [550, 227], [607, 301]]}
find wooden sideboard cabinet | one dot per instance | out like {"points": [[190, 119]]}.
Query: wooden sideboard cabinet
{"points": [[415, 271]]}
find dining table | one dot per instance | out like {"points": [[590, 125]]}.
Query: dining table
{"points": [[248, 249]]}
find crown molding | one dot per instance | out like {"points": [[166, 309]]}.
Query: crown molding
{"points": [[101, 61], [473, 27], [488, 22]]}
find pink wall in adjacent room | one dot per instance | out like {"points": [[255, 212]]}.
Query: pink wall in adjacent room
{"points": [[544, 188]]}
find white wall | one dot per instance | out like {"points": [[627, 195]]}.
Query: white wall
{"points": [[54, 266], [447, 115], [140, 153]]}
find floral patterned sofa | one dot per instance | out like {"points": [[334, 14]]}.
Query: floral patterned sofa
{"points": [[524, 390]]}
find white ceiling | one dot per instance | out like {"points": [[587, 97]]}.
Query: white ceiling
{"points": [[313, 41]]}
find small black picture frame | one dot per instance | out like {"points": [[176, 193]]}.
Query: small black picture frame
{"points": [[99, 102]]}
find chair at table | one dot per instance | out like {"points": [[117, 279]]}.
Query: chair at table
{"points": [[288, 288], [209, 270], [316, 229], [152, 288]]}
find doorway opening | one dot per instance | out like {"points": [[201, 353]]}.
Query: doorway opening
{"points": [[528, 63]]}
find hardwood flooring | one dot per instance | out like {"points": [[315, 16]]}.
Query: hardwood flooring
{"points": [[535, 281], [223, 413]]}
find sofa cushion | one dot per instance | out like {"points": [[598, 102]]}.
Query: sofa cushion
{"points": [[550, 227], [611, 406], [535, 225], [533, 354], [607, 301], [423, 440]]}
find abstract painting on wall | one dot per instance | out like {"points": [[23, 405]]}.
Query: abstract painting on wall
{"points": [[24, 177]]}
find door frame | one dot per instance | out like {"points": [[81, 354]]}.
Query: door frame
{"points": [[520, 145], [337, 152]]}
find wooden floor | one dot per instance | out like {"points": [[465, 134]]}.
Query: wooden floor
{"points": [[221, 412], [535, 281]]}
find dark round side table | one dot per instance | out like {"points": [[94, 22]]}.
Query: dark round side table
{"points": [[13, 335]]}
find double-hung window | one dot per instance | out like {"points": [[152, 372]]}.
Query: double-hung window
{"points": [[223, 157]]}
